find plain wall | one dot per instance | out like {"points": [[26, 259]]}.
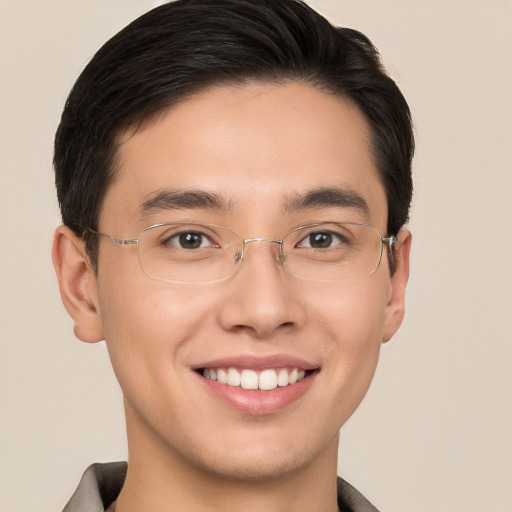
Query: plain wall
{"points": [[435, 428]]}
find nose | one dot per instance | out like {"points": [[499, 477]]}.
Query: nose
{"points": [[261, 298]]}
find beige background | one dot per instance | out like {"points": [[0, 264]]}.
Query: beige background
{"points": [[434, 433]]}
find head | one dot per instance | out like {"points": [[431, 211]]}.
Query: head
{"points": [[261, 117], [183, 47]]}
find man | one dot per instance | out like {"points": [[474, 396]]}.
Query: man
{"points": [[234, 178]]}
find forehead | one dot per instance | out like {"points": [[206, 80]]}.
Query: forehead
{"points": [[256, 147]]}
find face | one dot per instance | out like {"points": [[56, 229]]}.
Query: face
{"points": [[255, 148]]}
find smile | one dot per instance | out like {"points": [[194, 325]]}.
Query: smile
{"points": [[264, 380]]}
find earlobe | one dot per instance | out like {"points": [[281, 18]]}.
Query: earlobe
{"points": [[396, 305], [77, 284]]}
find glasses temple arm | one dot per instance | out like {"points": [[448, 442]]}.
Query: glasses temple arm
{"points": [[117, 241], [391, 241]]}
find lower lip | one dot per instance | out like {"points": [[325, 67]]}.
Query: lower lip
{"points": [[259, 403]]}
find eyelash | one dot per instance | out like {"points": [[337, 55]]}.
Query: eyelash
{"points": [[179, 242], [177, 236], [340, 238]]}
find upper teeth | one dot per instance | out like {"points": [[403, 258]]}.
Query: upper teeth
{"points": [[250, 379]]}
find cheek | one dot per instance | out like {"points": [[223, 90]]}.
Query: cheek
{"points": [[147, 332], [353, 320], [354, 311]]}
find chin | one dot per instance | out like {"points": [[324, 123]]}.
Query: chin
{"points": [[260, 460], [261, 467]]}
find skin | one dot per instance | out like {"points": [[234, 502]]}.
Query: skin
{"points": [[255, 145]]}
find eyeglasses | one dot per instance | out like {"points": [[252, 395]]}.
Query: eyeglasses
{"points": [[183, 252]]}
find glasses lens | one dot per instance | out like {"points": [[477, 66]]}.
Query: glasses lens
{"points": [[193, 253], [333, 251], [182, 252]]}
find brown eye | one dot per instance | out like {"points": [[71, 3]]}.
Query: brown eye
{"points": [[189, 240], [321, 240]]}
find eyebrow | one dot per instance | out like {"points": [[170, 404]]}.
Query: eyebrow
{"points": [[178, 199], [327, 197], [184, 199]]}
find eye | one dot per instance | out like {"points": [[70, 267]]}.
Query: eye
{"points": [[189, 240], [322, 240]]}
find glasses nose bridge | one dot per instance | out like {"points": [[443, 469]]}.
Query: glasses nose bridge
{"points": [[279, 243]]}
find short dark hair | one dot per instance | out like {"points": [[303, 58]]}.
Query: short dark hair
{"points": [[185, 46]]}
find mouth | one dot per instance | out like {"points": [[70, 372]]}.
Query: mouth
{"points": [[258, 386], [261, 380]]}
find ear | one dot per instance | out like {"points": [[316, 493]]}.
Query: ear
{"points": [[396, 306], [78, 284]]}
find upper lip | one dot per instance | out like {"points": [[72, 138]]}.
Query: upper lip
{"points": [[258, 363]]}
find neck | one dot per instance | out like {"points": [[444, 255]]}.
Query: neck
{"points": [[161, 480]]}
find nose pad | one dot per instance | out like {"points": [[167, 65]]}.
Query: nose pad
{"points": [[280, 257], [238, 257]]}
